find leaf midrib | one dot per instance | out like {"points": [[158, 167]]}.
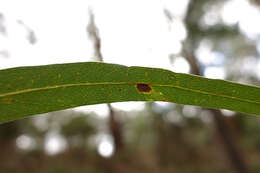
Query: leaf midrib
{"points": [[125, 83]]}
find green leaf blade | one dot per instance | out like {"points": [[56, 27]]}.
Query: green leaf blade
{"points": [[26, 91]]}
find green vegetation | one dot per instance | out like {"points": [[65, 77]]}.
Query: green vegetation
{"points": [[27, 91]]}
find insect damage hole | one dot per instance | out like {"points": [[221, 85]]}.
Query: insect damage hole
{"points": [[143, 87]]}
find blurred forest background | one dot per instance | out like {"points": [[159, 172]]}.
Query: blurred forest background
{"points": [[159, 137]]}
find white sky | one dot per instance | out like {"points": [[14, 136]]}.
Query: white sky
{"points": [[132, 32]]}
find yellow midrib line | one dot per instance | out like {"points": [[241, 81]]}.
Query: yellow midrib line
{"points": [[124, 83]]}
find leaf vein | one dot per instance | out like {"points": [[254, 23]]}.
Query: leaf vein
{"points": [[125, 83]]}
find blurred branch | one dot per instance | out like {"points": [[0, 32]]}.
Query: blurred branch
{"points": [[222, 128], [2, 25], [115, 128], [255, 2], [228, 142], [31, 37], [93, 33], [3, 52], [114, 125]]}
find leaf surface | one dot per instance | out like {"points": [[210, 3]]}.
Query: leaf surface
{"points": [[26, 91]]}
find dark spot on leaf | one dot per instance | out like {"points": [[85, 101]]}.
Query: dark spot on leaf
{"points": [[143, 87], [7, 101], [119, 89], [164, 100]]}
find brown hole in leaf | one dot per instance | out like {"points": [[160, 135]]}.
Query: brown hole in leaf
{"points": [[143, 87]]}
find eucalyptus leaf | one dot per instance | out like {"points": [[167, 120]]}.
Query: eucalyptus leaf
{"points": [[26, 91]]}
